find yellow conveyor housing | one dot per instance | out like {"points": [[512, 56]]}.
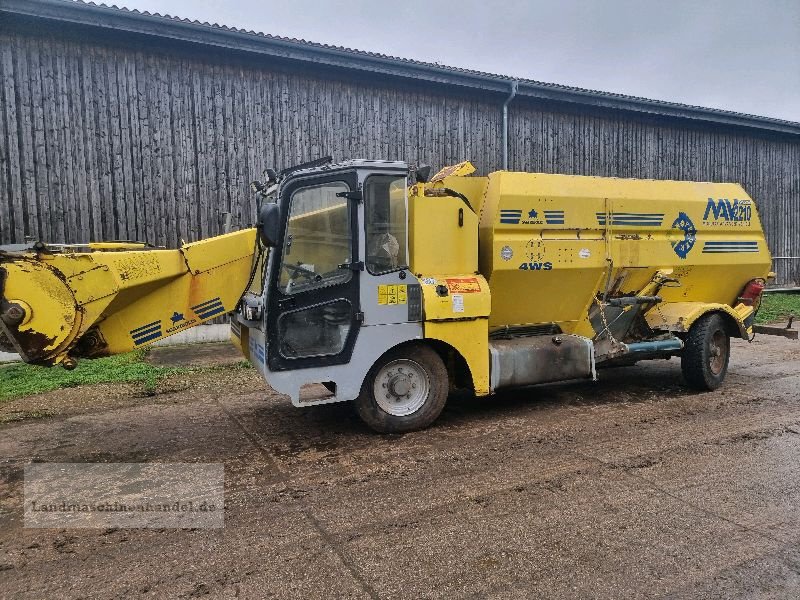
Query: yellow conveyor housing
{"points": [[64, 302]]}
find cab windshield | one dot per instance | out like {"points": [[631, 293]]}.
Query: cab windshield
{"points": [[318, 245]]}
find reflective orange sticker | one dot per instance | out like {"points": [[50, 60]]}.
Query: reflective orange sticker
{"points": [[468, 285]]}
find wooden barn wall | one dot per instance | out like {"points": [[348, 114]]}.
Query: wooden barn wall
{"points": [[100, 141]]}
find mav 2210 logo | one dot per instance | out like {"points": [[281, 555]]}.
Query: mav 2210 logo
{"points": [[723, 212]]}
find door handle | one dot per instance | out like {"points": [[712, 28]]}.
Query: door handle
{"points": [[287, 303]]}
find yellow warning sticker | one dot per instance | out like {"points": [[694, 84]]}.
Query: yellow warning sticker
{"points": [[392, 294]]}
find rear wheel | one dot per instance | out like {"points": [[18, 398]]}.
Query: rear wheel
{"points": [[405, 390], [706, 354]]}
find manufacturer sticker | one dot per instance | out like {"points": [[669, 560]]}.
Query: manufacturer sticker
{"points": [[516, 216], [179, 321], [392, 294], [469, 285], [683, 224], [458, 303], [585, 253], [506, 253], [726, 213], [429, 280]]}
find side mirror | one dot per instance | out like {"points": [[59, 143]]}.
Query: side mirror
{"points": [[423, 173], [269, 220]]}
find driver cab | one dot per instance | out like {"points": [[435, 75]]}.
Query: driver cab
{"points": [[345, 241]]}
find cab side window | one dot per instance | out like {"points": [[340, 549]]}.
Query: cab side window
{"points": [[386, 240]]}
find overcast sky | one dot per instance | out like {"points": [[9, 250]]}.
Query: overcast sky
{"points": [[741, 55]]}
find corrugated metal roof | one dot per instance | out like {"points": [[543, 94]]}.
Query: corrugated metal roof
{"points": [[188, 30]]}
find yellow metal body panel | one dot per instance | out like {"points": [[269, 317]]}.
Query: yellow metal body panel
{"points": [[468, 297], [471, 339], [549, 244], [678, 317], [438, 245], [443, 251], [240, 338], [87, 304]]}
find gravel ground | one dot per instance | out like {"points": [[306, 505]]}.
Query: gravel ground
{"points": [[632, 487]]}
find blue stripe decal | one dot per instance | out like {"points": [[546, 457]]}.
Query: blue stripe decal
{"points": [[642, 215], [148, 326], [731, 243], [620, 218], [727, 247], [149, 338], [140, 334], [202, 304], [634, 223], [216, 307], [213, 312], [554, 217], [632, 219]]}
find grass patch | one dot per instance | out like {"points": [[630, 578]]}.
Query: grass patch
{"points": [[24, 416], [778, 307], [18, 379]]}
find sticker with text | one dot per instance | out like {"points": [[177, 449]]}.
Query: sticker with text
{"points": [[467, 285], [458, 303]]}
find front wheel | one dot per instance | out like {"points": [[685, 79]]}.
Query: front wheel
{"points": [[405, 390], [706, 354]]}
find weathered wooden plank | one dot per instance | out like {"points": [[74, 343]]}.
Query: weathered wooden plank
{"points": [[137, 172], [39, 157], [25, 138], [65, 140], [116, 164], [94, 230], [6, 228], [125, 190], [10, 95]]}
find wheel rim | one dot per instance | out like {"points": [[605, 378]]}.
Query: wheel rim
{"points": [[718, 352], [401, 387]]}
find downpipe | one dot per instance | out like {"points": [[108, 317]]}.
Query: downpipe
{"points": [[514, 85]]}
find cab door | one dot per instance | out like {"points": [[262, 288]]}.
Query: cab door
{"points": [[313, 309]]}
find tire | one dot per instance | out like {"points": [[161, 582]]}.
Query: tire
{"points": [[405, 390], [705, 357]]}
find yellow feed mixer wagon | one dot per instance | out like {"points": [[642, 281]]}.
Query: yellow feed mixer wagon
{"points": [[391, 287]]}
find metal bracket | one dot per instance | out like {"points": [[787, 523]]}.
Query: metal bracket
{"points": [[357, 195], [356, 266]]}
